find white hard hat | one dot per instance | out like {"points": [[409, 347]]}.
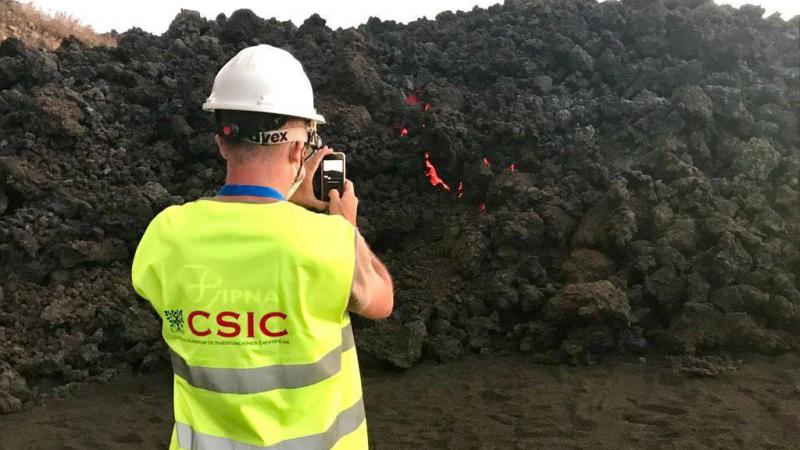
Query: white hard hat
{"points": [[264, 79]]}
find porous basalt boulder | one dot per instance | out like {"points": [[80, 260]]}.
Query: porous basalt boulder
{"points": [[590, 302], [391, 344]]}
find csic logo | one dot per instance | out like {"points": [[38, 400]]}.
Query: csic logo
{"points": [[230, 324], [175, 319], [227, 324]]}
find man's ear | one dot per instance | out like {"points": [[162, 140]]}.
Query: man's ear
{"points": [[223, 149], [296, 152]]}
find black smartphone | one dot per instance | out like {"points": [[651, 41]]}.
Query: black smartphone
{"points": [[331, 174]]}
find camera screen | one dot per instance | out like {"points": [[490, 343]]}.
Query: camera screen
{"points": [[331, 176], [333, 165]]}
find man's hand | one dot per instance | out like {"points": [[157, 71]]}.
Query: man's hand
{"points": [[304, 196], [346, 205]]}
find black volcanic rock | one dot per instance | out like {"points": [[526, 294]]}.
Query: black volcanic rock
{"points": [[623, 176]]}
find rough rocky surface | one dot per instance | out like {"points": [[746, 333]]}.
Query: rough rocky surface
{"points": [[399, 345], [702, 366], [629, 176]]}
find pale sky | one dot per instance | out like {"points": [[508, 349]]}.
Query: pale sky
{"points": [[155, 15]]}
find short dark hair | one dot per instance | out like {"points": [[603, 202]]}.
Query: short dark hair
{"points": [[249, 122]]}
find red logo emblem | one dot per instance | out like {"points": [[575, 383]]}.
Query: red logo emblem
{"points": [[228, 324]]}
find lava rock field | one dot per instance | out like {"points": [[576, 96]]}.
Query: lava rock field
{"points": [[610, 178]]}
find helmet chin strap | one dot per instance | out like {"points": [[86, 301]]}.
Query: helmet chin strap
{"points": [[298, 180], [295, 185]]}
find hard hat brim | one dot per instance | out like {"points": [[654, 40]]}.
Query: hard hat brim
{"points": [[213, 106]]}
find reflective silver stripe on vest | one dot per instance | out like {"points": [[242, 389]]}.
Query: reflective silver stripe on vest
{"points": [[346, 422], [267, 378]]}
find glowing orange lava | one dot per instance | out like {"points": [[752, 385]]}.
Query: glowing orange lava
{"points": [[430, 172]]}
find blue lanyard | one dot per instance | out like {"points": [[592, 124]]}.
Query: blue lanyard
{"points": [[249, 190]]}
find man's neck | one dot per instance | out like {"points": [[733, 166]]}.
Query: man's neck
{"points": [[253, 176]]}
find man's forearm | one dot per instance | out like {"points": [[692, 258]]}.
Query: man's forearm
{"points": [[386, 292]]}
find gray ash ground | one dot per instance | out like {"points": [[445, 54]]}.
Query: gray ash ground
{"points": [[482, 402], [653, 204]]}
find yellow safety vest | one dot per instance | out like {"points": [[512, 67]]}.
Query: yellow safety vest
{"points": [[253, 299]]}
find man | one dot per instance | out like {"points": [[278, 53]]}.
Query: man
{"points": [[253, 290]]}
